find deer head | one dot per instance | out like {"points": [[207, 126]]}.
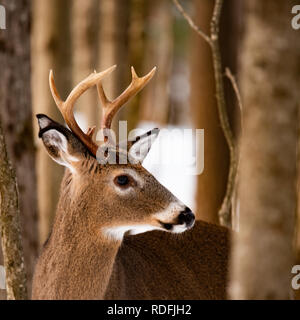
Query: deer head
{"points": [[109, 198]]}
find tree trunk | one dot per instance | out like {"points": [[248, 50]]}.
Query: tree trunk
{"points": [[231, 34], [136, 54], [107, 46], [10, 228], [211, 184], [50, 50], [262, 251], [158, 52], [113, 49], [84, 29], [15, 101]]}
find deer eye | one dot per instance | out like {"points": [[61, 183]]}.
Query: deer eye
{"points": [[122, 180]]}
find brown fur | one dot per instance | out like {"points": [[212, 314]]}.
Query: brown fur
{"points": [[161, 265]]}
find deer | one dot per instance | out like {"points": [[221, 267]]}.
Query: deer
{"points": [[118, 233]]}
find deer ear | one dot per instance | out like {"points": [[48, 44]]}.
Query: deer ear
{"points": [[62, 146], [141, 145]]}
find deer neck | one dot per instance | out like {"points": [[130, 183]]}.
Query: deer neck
{"points": [[82, 256]]}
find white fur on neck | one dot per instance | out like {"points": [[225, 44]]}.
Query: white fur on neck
{"points": [[117, 233], [166, 216], [179, 228]]}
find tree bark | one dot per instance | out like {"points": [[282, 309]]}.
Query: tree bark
{"points": [[84, 29], [136, 53], [262, 251], [15, 102], [211, 184], [113, 49], [10, 229], [50, 50], [231, 34], [158, 52]]}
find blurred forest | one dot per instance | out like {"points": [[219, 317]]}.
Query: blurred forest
{"points": [[261, 50]]}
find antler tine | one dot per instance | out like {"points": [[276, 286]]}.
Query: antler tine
{"points": [[66, 107], [101, 94], [90, 132], [110, 108]]}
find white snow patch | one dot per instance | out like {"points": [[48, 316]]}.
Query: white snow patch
{"points": [[171, 175]]}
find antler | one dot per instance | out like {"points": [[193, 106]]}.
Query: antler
{"points": [[66, 107], [110, 108]]}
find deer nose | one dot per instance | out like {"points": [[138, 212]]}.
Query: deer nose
{"points": [[186, 216]]}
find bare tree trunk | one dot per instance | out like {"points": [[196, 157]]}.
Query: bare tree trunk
{"points": [[231, 32], [10, 228], [50, 50], [211, 184], [136, 54], [107, 43], [84, 51], [15, 101], [158, 52], [262, 251], [113, 42]]}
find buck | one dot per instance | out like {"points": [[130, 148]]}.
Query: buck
{"points": [[118, 233]]}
